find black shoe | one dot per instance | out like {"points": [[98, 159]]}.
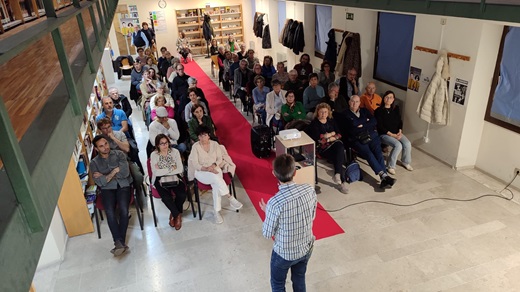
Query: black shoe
{"points": [[387, 182]]}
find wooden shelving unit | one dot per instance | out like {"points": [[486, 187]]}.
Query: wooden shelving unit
{"points": [[17, 12], [226, 20]]}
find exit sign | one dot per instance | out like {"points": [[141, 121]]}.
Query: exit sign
{"points": [[350, 16]]}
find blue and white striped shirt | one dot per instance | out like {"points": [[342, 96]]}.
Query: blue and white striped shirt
{"points": [[288, 217]]}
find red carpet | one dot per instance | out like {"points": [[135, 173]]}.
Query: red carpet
{"points": [[234, 131]]}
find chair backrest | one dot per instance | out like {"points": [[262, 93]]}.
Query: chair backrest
{"points": [[153, 190], [125, 62]]}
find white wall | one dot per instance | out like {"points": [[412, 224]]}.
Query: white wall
{"points": [[55, 242]]}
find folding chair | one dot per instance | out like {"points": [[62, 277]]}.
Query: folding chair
{"points": [[98, 208], [155, 194], [197, 185]]}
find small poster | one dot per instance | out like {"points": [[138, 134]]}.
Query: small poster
{"points": [[459, 93], [414, 81], [159, 21]]}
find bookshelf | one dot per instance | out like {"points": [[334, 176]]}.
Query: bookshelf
{"points": [[226, 20]]}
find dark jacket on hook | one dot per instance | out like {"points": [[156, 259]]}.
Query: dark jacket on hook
{"points": [[258, 26], [331, 55], [207, 29], [299, 39], [291, 34], [266, 39]]}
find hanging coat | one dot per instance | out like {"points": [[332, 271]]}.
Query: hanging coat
{"points": [[291, 34], [266, 38], [434, 104], [299, 39], [285, 34], [258, 26], [349, 55], [207, 28], [331, 54]]}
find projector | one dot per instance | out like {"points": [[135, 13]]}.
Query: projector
{"points": [[290, 134]]}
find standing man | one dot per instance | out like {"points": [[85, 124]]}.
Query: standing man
{"points": [[288, 218], [179, 88], [112, 175]]}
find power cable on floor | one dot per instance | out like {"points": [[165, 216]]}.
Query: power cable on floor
{"points": [[499, 195]]}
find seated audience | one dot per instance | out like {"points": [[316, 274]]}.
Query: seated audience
{"points": [[198, 118], [207, 162], [312, 95], [119, 120], [242, 54], [295, 85], [324, 130], [160, 101], [161, 91], [349, 85], [160, 62], [194, 99], [251, 59], [135, 81], [293, 110], [361, 131], [153, 74], [141, 56], [149, 54], [337, 103], [120, 101], [273, 106], [148, 88], [231, 45], [166, 126], [326, 76], [268, 70], [304, 68], [241, 79], [257, 71], [165, 163], [390, 129], [281, 75], [370, 99], [150, 65], [192, 83], [259, 97], [228, 61], [233, 66]]}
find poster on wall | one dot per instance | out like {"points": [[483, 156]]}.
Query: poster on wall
{"points": [[459, 92], [159, 21], [414, 81]]}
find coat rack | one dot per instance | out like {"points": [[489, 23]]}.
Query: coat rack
{"points": [[435, 52]]}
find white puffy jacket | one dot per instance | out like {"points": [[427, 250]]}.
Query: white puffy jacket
{"points": [[434, 104]]}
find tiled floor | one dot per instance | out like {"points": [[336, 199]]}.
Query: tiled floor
{"points": [[438, 245]]}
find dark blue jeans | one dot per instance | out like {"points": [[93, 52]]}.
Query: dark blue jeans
{"points": [[119, 198], [174, 202], [372, 153], [280, 267], [336, 154]]}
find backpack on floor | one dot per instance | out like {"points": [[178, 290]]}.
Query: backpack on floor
{"points": [[353, 172]]}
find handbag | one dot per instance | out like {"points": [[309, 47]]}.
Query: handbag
{"points": [[169, 181], [364, 137]]}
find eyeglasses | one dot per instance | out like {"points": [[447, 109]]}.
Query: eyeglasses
{"points": [[164, 143]]}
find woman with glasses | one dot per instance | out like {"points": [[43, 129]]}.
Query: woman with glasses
{"points": [[207, 162], [326, 76], [166, 162]]}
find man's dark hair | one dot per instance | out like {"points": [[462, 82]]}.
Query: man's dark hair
{"points": [[284, 167], [276, 82], [313, 75], [202, 129], [104, 121], [99, 137], [140, 49]]}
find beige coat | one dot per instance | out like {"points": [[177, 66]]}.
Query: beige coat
{"points": [[217, 154], [434, 104]]}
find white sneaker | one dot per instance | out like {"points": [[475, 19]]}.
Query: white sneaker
{"points": [[408, 167], [337, 179], [391, 171], [218, 218], [235, 203], [343, 188]]}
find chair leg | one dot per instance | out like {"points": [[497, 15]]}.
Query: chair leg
{"points": [[138, 208], [197, 198], [190, 199], [232, 189], [97, 221], [153, 209]]}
